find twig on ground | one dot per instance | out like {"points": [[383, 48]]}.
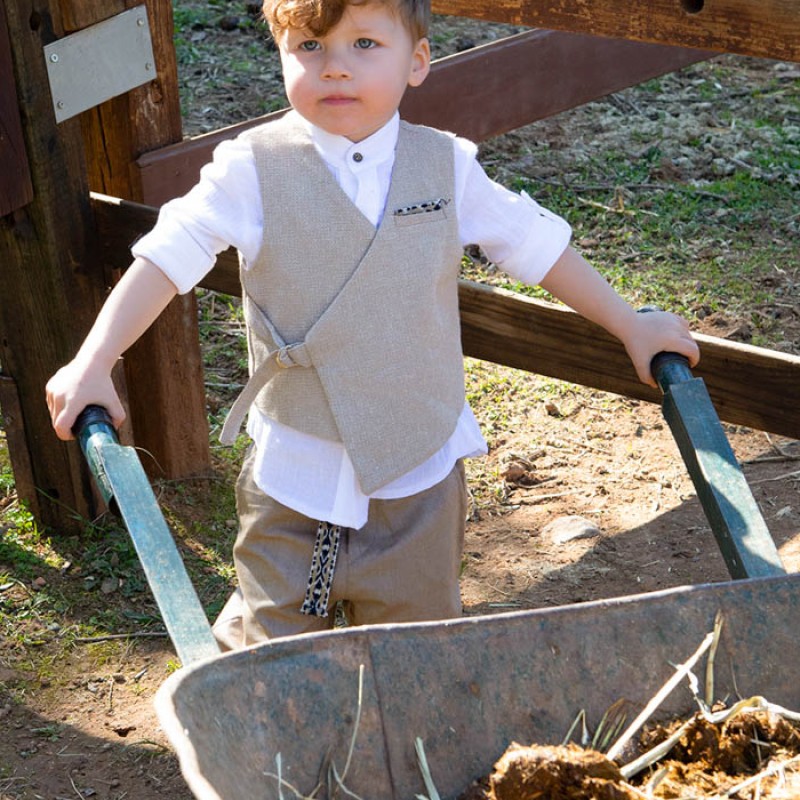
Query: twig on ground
{"points": [[772, 459], [776, 447], [538, 498], [654, 754], [607, 187], [111, 636], [75, 788], [750, 704], [783, 477], [767, 772], [625, 211]]}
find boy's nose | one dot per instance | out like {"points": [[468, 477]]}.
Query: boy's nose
{"points": [[335, 67]]}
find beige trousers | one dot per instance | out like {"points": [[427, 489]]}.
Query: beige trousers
{"points": [[402, 566]]}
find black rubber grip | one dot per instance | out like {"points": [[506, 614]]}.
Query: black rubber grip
{"points": [[669, 369], [91, 415]]}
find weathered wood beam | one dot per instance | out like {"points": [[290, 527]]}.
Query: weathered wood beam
{"points": [[163, 370], [16, 189], [747, 384], [511, 83], [14, 427], [765, 28], [502, 86]]}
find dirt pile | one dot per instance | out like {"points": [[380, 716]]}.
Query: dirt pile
{"points": [[568, 772], [754, 754]]}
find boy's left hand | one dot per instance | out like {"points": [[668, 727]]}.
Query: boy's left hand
{"points": [[574, 281], [655, 332]]}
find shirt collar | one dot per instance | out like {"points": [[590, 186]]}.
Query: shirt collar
{"points": [[338, 151]]}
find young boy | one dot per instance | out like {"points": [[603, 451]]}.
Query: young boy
{"points": [[350, 225]]}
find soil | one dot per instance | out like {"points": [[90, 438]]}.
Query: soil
{"points": [[744, 753], [581, 498]]}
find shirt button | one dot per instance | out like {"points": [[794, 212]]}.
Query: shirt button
{"points": [[358, 158]]}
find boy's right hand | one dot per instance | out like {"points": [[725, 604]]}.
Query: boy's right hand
{"points": [[74, 387], [140, 296]]}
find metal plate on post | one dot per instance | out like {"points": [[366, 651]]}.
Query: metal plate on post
{"points": [[100, 62]]}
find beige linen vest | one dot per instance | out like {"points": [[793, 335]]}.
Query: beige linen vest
{"points": [[353, 331]]}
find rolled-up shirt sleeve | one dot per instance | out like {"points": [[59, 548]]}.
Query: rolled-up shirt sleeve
{"points": [[514, 231], [222, 210]]}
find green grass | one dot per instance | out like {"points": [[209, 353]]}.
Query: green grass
{"points": [[685, 246], [56, 589]]}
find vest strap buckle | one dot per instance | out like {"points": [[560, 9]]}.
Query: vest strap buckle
{"points": [[283, 357]]}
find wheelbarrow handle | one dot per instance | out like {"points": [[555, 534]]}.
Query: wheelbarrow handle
{"points": [[126, 489], [93, 429], [670, 368], [729, 506]]}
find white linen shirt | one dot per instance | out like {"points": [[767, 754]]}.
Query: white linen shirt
{"points": [[310, 475]]}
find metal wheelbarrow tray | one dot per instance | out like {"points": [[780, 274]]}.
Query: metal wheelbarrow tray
{"points": [[267, 722], [468, 688]]}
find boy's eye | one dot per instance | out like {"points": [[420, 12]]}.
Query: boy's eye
{"points": [[309, 45], [364, 43]]}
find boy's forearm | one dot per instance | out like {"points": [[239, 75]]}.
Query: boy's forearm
{"points": [[132, 307], [575, 282]]}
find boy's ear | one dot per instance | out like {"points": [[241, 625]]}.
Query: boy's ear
{"points": [[420, 62]]}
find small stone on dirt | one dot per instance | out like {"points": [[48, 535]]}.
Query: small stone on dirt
{"points": [[229, 23], [123, 730], [565, 529], [552, 409]]}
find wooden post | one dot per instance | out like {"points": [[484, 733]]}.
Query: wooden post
{"points": [[15, 177], [164, 369], [50, 288]]}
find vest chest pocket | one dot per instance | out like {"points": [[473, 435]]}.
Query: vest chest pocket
{"points": [[421, 213]]}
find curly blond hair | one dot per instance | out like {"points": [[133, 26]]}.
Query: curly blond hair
{"points": [[319, 16]]}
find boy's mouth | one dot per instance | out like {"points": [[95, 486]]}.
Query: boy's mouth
{"points": [[338, 99]]}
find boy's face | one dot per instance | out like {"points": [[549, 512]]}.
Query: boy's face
{"points": [[350, 80]]}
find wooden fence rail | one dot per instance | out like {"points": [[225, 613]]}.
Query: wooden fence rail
{"points": [[511, 83], [766, 28], [747, 384]]}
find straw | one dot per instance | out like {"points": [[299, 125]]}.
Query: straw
{"points": [[427, 779], [616, 749]]}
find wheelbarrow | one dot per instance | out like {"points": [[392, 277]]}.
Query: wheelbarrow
{"points": [[278, 720]]}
